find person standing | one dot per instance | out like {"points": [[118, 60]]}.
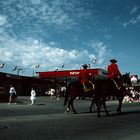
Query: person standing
{"points": [[33, 96], [12, 95]]}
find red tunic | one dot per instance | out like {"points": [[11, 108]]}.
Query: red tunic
{"points": [[84, 75], [113, 71]]}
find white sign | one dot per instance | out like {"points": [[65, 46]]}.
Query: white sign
{"points": [[74, 73], [133, 79]]}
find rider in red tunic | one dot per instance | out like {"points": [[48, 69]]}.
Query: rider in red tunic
{"points": [[113, 71], [84, 75], [85, 78]]}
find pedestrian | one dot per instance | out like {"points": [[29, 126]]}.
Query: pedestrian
{"points": [[12, 95], [33, 96]]}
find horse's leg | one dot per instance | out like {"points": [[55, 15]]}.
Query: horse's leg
{"points": [[91, 106], [71, 102], [120, 105], [92, 103], [104, 104], [68, 106], [98, 104], [98, 110]]}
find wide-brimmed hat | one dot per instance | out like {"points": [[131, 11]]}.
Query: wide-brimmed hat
{"points": [[84, 65], [113, 60]]}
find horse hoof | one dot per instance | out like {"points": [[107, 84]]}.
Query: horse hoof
{"points": [[108, 114], [90, 111], [67, 110], [118, 111]]}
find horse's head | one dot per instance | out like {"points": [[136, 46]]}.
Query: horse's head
{"points": [[126, 79]]}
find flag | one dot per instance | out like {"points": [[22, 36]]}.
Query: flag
{"points": [[20, 69], [106, 67], [15, 68], [94, 61], [37, 66], [63, 66], [2, 65]]}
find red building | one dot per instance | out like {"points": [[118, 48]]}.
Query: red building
{"points": [[98, 73], [60, 79]]}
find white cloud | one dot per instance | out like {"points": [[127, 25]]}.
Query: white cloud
{"points": [[125, 24], [26, 22], [49, 56], [132, 21], [3, 20], [138, 18], [135, 19], [134, 10], [101, 51], [35, 1], [59, 14]]}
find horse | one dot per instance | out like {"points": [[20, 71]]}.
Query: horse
{"points": [[107, 88], [103, 88]]}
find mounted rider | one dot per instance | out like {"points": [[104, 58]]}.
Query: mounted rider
{"points": [[85, 78], [114, 73]]}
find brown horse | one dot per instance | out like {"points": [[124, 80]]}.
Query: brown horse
{"points": [[75, 90], [103, 88]]}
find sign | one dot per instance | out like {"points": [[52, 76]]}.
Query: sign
{"points": [[65, 73], [74, 72], [134, 78]]}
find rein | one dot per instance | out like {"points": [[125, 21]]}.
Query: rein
{"points": [[117, 86]]}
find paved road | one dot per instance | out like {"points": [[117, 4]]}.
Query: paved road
{"points": [[46, 121]]}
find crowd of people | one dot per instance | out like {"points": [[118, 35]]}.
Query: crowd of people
{"points": [[134, 96]]}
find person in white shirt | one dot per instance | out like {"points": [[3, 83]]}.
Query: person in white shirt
{"points": [[12, 94], [33, 96]]}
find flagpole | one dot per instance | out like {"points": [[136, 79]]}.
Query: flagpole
{"points": [[33, 73], [18, 70]]}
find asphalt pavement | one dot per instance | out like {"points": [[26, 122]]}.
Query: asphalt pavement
{"points": [[46, 120]]}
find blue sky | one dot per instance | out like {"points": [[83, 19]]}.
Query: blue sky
{"points": [[51, 33]]}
